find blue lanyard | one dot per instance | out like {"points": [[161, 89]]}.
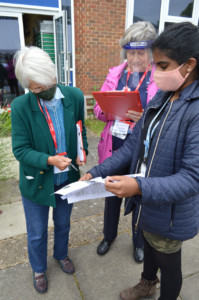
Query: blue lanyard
{"points": [[151, 133]]}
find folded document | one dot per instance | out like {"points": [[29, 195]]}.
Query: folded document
{"points": [[85, 190]]}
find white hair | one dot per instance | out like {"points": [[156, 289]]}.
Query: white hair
{"points": [[137, 32], [32, 63]]}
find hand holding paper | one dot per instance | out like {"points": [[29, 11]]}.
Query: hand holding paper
{"points": [[84, 190], [79, 162], [122, 186], [99, 187], [86, 177]]}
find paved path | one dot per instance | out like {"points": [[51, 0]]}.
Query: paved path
{"points": [[96, 278]]}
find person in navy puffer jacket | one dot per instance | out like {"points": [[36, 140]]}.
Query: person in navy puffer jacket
{"points": [[164, 153]]}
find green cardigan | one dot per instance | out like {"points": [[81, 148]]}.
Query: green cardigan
{"points": [[32, 143]]}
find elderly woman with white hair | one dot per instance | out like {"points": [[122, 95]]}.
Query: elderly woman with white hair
{"points": [[44, 142], [135, 73]]}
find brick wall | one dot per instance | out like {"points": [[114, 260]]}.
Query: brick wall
{"points": [[98, 27]]}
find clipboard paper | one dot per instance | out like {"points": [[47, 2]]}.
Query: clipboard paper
{"points": [[115, 104], [80, 147]]}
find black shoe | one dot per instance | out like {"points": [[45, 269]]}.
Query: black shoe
{"points": [[40, 283], [138, 254], [67, 265], [103, 247]]}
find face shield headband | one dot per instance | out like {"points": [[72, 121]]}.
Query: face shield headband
{"points": [[138, 45]]}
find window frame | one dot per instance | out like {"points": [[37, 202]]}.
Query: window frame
{"points": [[164, 14]]}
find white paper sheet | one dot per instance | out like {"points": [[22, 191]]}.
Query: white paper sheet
{"points": [[80, 147], [57, 170], [85, 190]]}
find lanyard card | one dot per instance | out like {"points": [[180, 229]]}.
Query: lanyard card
{"points": [[57, 170], [143, 169]]}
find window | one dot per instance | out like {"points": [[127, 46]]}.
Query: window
{"points": [[147, 11], [9, 34], [181, 8], [66, 5], [160, 12]]}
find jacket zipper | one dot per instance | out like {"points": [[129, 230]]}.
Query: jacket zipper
{"points": [[135, 173], [136, 169], [149, 169]]}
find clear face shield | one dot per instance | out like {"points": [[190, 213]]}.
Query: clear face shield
{"points": [[139, 59]]}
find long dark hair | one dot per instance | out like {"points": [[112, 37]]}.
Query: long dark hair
{"points": [[180, 42]]}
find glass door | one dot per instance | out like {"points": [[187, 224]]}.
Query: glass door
{"points": [[62, 55], [11, 35]]}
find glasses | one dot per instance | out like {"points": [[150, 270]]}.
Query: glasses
{"points": [[37, 90], [41, 89]]}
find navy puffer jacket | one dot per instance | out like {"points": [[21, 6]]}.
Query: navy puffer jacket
{"points": [[169, 205]]}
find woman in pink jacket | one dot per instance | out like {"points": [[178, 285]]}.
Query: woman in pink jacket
{"points": [[136, 72]]}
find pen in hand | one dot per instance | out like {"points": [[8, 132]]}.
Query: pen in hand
{"points": [[73, 167], [65, 154]]}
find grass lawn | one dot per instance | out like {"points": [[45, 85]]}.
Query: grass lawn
{"points": [[5, 124], [95, 125]]}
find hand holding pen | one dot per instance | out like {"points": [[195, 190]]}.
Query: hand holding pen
{"points": [[68, 160], [61, 161]]}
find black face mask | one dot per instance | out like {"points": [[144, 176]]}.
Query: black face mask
{"points": [[48, 94]]}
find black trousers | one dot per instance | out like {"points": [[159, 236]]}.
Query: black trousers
{"points": [[170, 268], [111, 220]]}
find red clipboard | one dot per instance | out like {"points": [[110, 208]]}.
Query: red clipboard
{"points": [[115, 104]]}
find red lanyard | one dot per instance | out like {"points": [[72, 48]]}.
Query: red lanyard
{"points": [[138, 86], [141, 80], [126, 122], [50, 125], [127, 79]]}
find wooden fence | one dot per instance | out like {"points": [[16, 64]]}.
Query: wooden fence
{"points": [[89, 103]]}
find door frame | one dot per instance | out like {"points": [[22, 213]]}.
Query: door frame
{"points": [[63, 15]]}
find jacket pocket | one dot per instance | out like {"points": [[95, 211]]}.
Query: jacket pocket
{"points": [[30, 181]]}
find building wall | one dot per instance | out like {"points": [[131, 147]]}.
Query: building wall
{"points": [[98, 27]]}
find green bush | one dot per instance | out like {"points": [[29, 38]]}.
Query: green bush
{"points": [[5, 124], [7, 160]]}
